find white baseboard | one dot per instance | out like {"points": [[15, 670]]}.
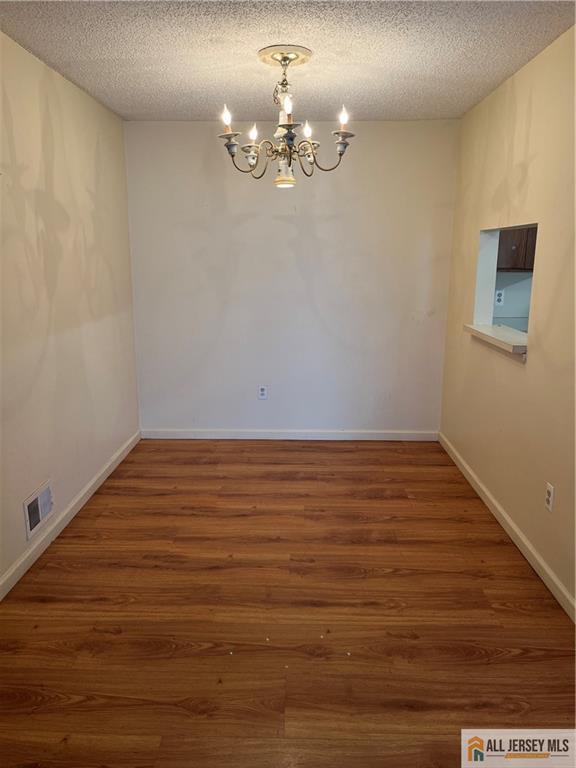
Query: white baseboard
{"points": [[550, 579], [288, 434], [44, 538]]}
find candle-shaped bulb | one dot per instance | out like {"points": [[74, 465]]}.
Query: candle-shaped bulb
{"points": [[343, 117], [226, 117], [288, 106], [253, 134], [307, 130]]}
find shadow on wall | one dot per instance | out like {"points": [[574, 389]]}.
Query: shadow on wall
{"points": [[512, 191], [58, 265], [511, 195]]}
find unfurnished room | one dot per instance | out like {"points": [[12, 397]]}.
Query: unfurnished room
{"points": [[287, 384]]}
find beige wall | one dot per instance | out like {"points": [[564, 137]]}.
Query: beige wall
{"points": [[332, 293], [68, 383], [513, 423]]}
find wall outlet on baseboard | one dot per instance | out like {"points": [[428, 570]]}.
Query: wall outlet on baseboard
{"points": [[549, 498], [263, 392]]}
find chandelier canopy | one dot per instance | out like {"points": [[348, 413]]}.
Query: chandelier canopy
{"points": [[286, 150]]}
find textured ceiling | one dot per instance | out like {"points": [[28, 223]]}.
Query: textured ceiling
{"points": [[385, 60]]}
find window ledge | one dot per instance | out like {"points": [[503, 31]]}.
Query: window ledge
{"points": [[508, 339]]}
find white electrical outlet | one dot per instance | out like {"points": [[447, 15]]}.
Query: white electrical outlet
{"points": [[499, 298], [549, 498], [263, 392]]}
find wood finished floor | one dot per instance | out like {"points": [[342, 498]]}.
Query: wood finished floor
{"points": [[278, 605]]}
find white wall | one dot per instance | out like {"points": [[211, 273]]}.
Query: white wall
{"points": [[69, 401], [333, 293], [510, 424]]}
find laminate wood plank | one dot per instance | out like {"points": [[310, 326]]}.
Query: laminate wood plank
{"points": [[140, 702], [209, 477], [418, 695], [518, 609], [175, 645], [62, 749], [346, 706], [256, 604], [395, 751], [372, 576]]}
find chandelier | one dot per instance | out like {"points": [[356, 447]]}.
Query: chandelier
{"points": [[286, 150]]}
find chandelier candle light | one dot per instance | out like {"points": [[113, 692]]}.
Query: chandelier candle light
{"points": [[286, 150]]}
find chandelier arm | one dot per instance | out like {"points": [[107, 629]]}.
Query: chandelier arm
{"points": [[259, 176], [270, 148], [317, 164], [238, 168], [301, 147], [304, 171]]}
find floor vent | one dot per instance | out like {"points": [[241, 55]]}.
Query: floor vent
{"points": [[37, 508]]}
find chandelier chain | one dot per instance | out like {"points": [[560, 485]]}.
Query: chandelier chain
{"points": [[282, 85]]}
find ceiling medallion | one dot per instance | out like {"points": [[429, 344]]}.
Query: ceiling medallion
{"points": [[285, 150]]}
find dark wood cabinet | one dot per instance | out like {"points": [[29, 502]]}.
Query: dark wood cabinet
{"points": [[530, 247], [516, 248]]}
